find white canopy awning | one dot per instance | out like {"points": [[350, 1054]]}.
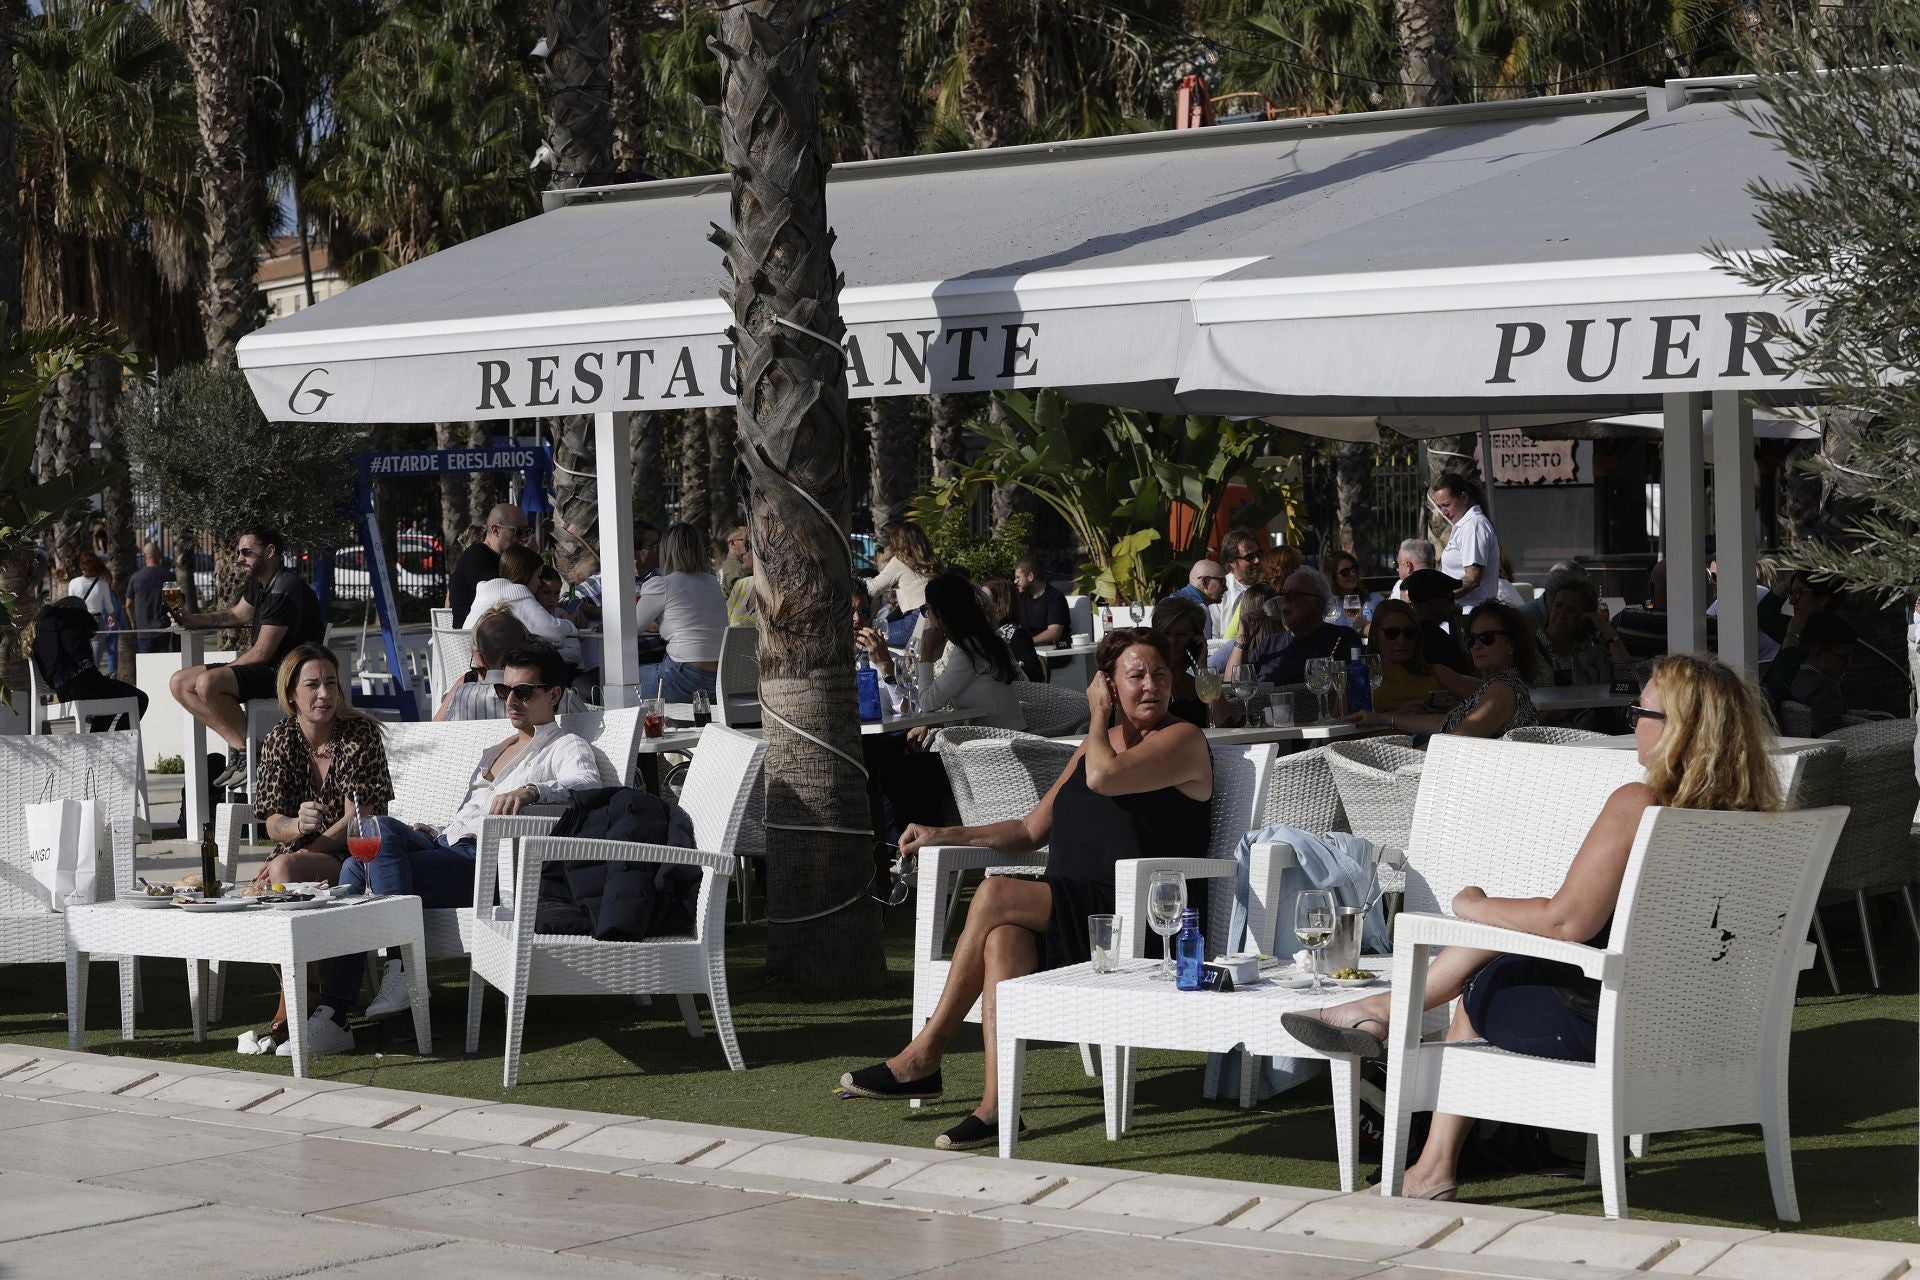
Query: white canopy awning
{"points": [[1091, 265]]}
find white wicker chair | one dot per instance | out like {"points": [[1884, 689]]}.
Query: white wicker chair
{"points": [[1552, 735], [63, 767], [441, 619], [737, 686], [1378, 781], [1051, 710], [947, 737], [41, 715], [1696, 1001], [1877, 785], [508, 953], [995, 779], [1301, 793], [451, 654]]}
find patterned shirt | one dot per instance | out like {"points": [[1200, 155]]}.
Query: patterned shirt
{"points": [[741, 604], [1524, 715], [284, 780]]}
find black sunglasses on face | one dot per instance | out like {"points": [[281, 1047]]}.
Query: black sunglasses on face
{"points": [[1252, 559], [1487, 637], [524, 692], [1398, 633], [1636, 713]]}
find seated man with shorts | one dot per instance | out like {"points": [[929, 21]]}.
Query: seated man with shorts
{"points": [[284, 614]]}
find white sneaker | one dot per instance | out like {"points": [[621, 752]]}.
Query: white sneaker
{"points": [[393, 996], [324, 1036]]}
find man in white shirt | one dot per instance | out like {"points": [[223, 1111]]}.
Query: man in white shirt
{"points": [[541, 763], [1473, 551]]}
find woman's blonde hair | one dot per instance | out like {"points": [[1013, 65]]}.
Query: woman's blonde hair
{"points": [[290, 676], [1713, 754], [908, 541]]}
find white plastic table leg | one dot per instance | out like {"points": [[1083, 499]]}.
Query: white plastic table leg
{"points": [[197, 998], [413, 958], [293, 985], [1345, 1070], [1112, 1091], [129, 994], [77, 962]]}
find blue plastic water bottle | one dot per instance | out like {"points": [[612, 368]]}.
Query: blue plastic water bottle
{"points": [[1359, 683], [1189, 953], [866, 683]]}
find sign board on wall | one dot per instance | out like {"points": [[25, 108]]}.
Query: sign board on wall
{"points": [[1520, 460]]}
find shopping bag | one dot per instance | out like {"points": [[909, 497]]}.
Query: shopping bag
{"points": [[63, 846]]}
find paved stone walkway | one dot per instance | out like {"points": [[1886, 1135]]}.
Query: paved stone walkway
{"points": [[119, 1166]]}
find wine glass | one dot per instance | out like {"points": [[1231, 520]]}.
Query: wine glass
{"points": [[1206, 684], [1354, 607], [363, 835], [1166, 903], [1320, 680], [1312, 923], [1376, 669]]}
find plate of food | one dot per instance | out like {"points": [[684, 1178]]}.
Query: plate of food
{"points": [[146, 899], [1354, 978], [291, 901], [211, 905]]}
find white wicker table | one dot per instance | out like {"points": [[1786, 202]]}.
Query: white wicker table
{"points": [[290, 939], [1127, 1007]]}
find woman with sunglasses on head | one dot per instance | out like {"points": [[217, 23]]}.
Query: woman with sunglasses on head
{"points": [[1343, 571], [1700, 731], [1505, 657], [1137, 786], [315, 766]]}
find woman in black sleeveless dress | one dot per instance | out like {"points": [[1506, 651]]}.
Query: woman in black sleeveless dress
{"points": [[1137, 787]]}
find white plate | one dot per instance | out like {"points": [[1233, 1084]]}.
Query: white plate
{"points": [[308, 905], [142, 900], [1356, 982], [213, 905]]}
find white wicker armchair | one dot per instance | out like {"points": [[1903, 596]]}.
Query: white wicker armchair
{"points": [[1690, 1035], [1378, 781], [1552, 735], [510, 955], [1051, 710], [948, 737], [63, 767], [737, 684], [1301, 793], [1878, 787], [450, 654]]}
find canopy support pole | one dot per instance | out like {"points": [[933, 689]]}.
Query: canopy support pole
{"points": [[1683, 492], [1733, 480], [613, 479]]}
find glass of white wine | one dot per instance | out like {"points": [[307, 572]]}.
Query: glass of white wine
{"points": [[1320, 680], [1206, 684], [1312, 924], [1166, 903]]}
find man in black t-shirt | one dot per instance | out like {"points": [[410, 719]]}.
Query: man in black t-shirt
{"points": [[1044, 618], [1431, 593], [284, 614], [479, 563], [143, 601]]}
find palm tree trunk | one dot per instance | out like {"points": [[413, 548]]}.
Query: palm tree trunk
{"points": [[579, 67], [1427, 31], [123, 551], [723, 456], [218, 58], [9, 190], [990, 98], [453, 495], [626, 20], [63, 417], [873, 26], [823, 929], [484, 488], [649, 469], [1353, 480], [20, 583], [948, 439], [695, 508]]}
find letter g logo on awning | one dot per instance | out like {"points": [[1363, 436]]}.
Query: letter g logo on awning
{"points": [[315, 397]]}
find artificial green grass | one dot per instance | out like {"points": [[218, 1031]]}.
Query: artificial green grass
{"points": [[1854, 1071]]}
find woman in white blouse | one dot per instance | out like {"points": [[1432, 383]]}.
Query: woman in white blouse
{"points": [[691, 610], [961, 660], [514, 588]]}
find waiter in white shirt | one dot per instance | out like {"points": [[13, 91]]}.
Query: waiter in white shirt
{"points": [[1473, 550]]}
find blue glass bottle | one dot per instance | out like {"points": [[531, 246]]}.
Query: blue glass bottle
{"points": [[1359, 683], [1189, 953], [866, 684]]}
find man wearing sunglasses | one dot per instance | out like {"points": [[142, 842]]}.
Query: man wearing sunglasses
{"points": [[284, 614], [541, 763], [476, 696], [1282, 659], [479, 563], [1432, 595], [1242, 551]]}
